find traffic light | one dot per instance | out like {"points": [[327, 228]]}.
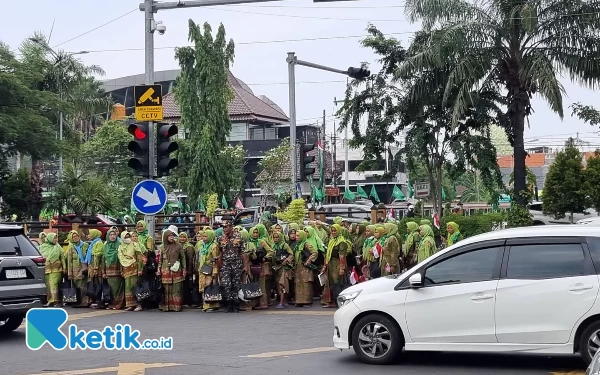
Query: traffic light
{"points": [[164, 146], [304, 161], [140, 147], [358, 73]]}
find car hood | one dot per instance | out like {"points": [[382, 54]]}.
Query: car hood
{"points": [[375, 285]]}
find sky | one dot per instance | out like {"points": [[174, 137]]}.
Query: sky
{"points": [[112, 31]]}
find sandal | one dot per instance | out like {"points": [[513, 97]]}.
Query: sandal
{"points": [[139, 308]]}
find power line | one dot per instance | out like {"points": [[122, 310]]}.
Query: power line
{"points": [[304, 17], [254, 42], [259, 84], [96, 28]]}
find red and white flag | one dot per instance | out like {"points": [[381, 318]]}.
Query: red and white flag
{"points": [[391, 214], [239, 204], [320, 145], [436, 220], [353, 276], [377, 250]]}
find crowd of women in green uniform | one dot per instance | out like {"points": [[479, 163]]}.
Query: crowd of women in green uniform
{"points": [[297, 264]]}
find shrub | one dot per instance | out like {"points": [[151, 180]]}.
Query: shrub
{"points": [[469, 225]]}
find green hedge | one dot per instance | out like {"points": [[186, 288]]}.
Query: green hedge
{"points": [[469, 225]]}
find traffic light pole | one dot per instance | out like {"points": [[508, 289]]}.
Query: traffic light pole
{"points": [[149, 72]]}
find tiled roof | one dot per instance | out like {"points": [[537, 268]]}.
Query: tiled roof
{"points": [[286, 173], [532, 160], [245, 106]]}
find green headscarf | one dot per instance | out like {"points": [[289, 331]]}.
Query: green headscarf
{"points": [[262, 235], [111, 249], [49, 250], [425, 222], [313, 239], [338, 220], [97, 245], [454, 237], [127, 252], [187, 242], [390, 230], [245, 234], [210, 240], [199, 243], [413, 231], [301, 237], [143, 235], [428, 236], [369, 243], [42, 234], [334, 241]]}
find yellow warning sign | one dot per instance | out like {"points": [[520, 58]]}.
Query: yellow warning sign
{"points": [[148, 102]]}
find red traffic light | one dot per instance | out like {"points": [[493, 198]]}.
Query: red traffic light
{"points": [[139, 134], [139, 131]]}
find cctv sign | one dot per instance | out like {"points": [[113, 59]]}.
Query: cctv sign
{"points": [[148, 102]]}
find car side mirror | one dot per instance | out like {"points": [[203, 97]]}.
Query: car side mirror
{"points": [[416, 280]]}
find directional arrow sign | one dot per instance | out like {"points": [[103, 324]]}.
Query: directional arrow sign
{"points": [[149, 197]]}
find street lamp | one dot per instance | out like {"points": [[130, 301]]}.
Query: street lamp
{"points": [[60, 123]]}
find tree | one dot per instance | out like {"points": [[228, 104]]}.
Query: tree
{"points": [[294, 213], [520, 47], [14, 198], [564, 187], [592, 181], [203, 95], [106, 152], [233, 176], [272, 177]]}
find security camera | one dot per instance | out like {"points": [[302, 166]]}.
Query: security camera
{"points": [[162, 29]]}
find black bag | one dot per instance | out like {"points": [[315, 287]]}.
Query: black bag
{"points": [[106, 296], [142, 290], [374, 270], [212, 293], [94, 289], [251, 290], [69, 293], [206, 269]]}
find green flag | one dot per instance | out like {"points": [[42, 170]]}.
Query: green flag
{"points": [[180, 205], [374, 195], [321, 166], [319, 195], [349, 195], [409, 190], [397, 193], [224, 202], [201, 206], [361, 192], [188, 208], [443, 194]]}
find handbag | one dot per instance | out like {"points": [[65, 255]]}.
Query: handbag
{"points": [[251, 290], [212, 293], [69, 293], [256, 270], [175, 267], [142, 290], [94, 289], [206, 269], [106, 296]]}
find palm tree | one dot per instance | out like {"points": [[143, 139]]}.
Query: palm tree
{"points": [[518, 47]]}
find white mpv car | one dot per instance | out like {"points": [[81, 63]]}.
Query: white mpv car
{"points": [[532, 290]]}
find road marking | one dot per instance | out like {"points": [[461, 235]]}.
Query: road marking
{"points": [[576, 372], [294, 312], [91, 314], [290, 352], [122, 369]]}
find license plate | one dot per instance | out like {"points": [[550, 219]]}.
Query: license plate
{"points": [[16, 274]]}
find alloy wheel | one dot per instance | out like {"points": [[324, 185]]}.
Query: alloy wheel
{"points": [[375, 340]]}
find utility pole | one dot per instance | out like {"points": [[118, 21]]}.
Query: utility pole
{"points": [[323, 128], [149, 80], [334, 164], [346, 162]]}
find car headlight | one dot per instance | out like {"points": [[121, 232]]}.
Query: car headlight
{"points": [[344, 299]]}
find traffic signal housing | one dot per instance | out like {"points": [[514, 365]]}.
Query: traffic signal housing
{"points": [[304, 161], [140, 146], [358, 73], [164, 147]]}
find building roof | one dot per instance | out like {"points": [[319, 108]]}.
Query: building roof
{"points": [[245, 106], [532, 160]]}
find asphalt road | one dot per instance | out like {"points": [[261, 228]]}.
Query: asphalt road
{"points": [[292, 341]]}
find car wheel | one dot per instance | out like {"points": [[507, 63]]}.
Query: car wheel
{"points": [[10, 323], [377, 339]]}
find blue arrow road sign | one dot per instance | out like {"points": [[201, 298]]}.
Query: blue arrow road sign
{"points": [[149, 197]]}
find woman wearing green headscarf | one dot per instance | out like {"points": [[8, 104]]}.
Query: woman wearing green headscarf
{"points": [[427, 246], [112, 270], [172, 271], [322, 231], [304, 255], [391, 250], [77, 260], [192, 266], [367, 250], [209, 251], [143, 237], [359, 239], [453, 233], [131, 259], [96, 266], [425, 222], [263, 253], [335, 264], [52, 251], [313, 239], [283, 260], [411, 245], [247, 255]]}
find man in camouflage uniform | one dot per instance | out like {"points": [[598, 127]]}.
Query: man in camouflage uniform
{"points": [[232, 247]]}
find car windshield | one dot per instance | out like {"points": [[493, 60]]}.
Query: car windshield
{"points": [[14, 243]]}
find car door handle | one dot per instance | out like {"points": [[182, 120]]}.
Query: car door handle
{"points": [[580, 287], [481, 296]]}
